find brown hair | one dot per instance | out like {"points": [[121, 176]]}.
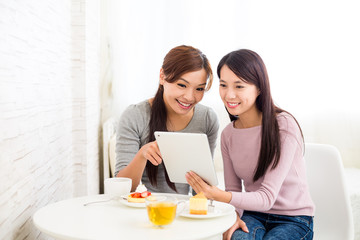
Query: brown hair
{"points": [[177, 62], [249, 66]]}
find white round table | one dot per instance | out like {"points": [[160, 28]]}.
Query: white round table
{"points": [[70, 219]]}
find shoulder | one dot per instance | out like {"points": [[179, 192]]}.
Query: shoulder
{"points": [[287, 122], [205, 111], [288, 126], [204, 120], [138, 108], [136, 114], [227, 130]]}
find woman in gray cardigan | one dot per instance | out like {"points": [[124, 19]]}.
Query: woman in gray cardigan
{"points": [[184, 77]]}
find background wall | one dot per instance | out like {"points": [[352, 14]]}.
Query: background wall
{"points": [[55, 91], [49, 108], [310, 48]]}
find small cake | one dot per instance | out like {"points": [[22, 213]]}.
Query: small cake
{"points": [[198, 204], [139, 195]]}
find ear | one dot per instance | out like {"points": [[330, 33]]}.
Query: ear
{"points": [[162, 77]]}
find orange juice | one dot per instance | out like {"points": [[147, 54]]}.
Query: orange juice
{"points": [[161, 213]]}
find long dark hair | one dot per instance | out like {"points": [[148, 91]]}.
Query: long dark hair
{"points": [[177, 62], [249, 66]]}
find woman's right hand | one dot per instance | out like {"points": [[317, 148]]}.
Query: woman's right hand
{"points": [[151, 152], [238, 224]]}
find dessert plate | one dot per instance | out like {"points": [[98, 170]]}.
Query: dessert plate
{"points": [[221, 209], [124, 201], [179, 197]]}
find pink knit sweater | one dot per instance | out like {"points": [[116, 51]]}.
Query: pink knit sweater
{"points": [[282, 190]]}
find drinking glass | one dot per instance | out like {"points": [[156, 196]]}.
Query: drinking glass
{"points": [[161, 210]]}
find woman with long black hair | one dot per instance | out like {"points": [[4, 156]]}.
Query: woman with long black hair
{"points": [[184, 77], [262, 150]]}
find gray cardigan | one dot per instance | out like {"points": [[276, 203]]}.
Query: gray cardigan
{"points": [[132, 133]]}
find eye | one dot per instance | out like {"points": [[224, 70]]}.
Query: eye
{"points": [[181, 85], [239, 86], [222, 85], [200, 89]]}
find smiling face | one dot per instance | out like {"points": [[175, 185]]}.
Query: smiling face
{"points": [[238, 96], [183, 94]]}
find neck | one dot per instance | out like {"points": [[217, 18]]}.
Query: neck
{"points": [[176, 122], [249, 120]]}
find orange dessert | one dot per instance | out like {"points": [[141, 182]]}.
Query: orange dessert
{"points": [[139, 195], [198, 204]]}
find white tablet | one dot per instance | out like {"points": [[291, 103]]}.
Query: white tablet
{"points": [[184, 152]]}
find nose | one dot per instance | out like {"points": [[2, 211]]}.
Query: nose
{"points": [[189, 95], [230, 94]]}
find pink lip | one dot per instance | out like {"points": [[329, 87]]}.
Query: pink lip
{"points": [[232, 106], [183, 107]]}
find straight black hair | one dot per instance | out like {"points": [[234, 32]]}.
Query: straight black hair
{"points": [[249, 66]]}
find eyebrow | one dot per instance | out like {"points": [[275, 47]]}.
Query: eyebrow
{"points": [[189, 82], [239, 81]]}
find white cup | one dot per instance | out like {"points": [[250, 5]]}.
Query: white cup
{"points": [[117, 186]]}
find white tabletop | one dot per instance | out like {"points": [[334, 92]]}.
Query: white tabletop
{"points": [[70, 219]]}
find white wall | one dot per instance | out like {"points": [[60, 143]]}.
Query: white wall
{"points": [[49, 108], [310, 48]]}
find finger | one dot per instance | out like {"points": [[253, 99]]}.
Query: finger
{"points": [[153, 160], [189, 178], [243, 226], [157, 158], [191, 182], [230, 232], [156, 145], [226, 235], [200, 184], [155, 152], [198, 179], [153, 156]]}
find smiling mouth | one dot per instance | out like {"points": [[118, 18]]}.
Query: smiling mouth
{"points": [[184, 105], [232, 105]]}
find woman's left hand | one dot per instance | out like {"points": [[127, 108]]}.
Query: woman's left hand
{"points": [[238, 224], [211, 192]]}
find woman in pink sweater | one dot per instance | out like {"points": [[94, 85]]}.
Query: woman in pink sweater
{"points": [[262, 150]]}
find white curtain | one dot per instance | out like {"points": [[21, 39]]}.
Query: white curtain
{"points": [[311, 49]]}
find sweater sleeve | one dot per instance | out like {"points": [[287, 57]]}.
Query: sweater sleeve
{"points": [[265, 196], [232, 182], [128, 137]]}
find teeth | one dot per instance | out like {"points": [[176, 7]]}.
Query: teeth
{"points": [[184, 104], [233, 104]]}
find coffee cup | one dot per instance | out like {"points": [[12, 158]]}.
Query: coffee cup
{"points": [[117, 186]]}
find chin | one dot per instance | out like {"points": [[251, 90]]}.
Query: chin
{"points": [[232, 112]]}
